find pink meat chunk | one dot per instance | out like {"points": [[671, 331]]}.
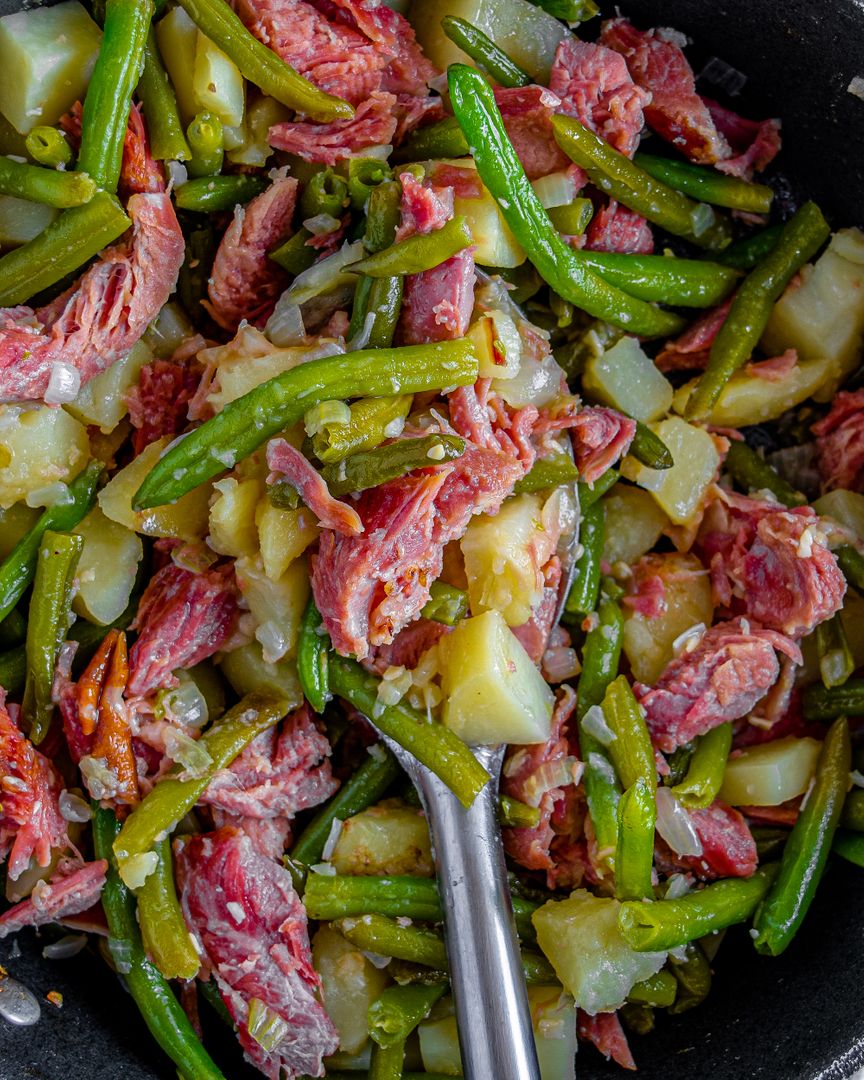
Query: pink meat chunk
{"points": [[728, 847], [527, 112], [158, 404], [373, 124], [755, 143], [71, 890], [287, 463], [840, 443], [409, 645], [250, 923], [103, 315], [615, 228], [600, 437], [605, 1032], [690, 351], [423, 207]]}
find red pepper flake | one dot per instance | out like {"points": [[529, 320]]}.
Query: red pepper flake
{"points": [[55, 997]]}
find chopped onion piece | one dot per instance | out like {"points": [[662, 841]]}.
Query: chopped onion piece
{"points": [[325, 415], [183, 749], [325, 274], [377, 960], [332, 838], [56, 494], [184, 705], [675, 825], [65, 948], [63, 384], [266, 1027], [137, 868], [550, 776], [677, 886], [594, 722], [285, 326], [322, 224], [72, 807]]}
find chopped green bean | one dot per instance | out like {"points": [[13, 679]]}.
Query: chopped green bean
{"points": [[548, 472], [163, 928], [383, 212], [386, 1064], [208, 194], [422, 251], [387, 937], [681, 282], [853, 808], [484, 52], [370, 468], [164, 126], [446, 604], [707, 184], [851, 562], [384, 301], [849, 846], [658, 991], [329, 897], [631, 750], [590, 493], [49, 146], [443, 139], [50, 186], [836, 662], [313, 648], [399, 1009], [295, 254], [704, 778], [201, 245], [364, 175], [821, 703], [753, 473], [325, 193], [746, 253], [585, 590], [206, 142], [572, 12], [650, 449], [634, 855], [693, 975], [517, 815], [572, 219], [372, 421]]}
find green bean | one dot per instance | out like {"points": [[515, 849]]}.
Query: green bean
{"points": [[372, 421], [851, 562], [331, 897], [705, 772], [192, 282], [399, 1009], [678, 762], [262, 66], [517, 815], [61, 249], [634, 855], [105, 116], [446, 604], [208, 194], [751, 472], [244, 424], [325, 193], [443, 139], [808, 846], [621, 179], [49, 186], [365, 787], [152, 994], [849, 846], [585, 590], [682, 282], [164, 126], [658, 991], [172, 797], [853, 808], [836, 662], [48, 622], [572, 219], [707, 184], [631, 750], [387, 1064], [821, 703], [571, 11], [801, 238], [210, 992], [650, 449], [769, 842], [548, 472], [206, 142], [590, 493], [693, 975], [364, 175], [13, 670], [370, 468], [163, 928], [659, 925], [48, 146], [295, 255], [13, 629], [745, 254], [387, 937], [383, 211], [436, 747], [484, 52], [501, 171], [313, 646], [422, 251], [637, 1018], [385, 303]]}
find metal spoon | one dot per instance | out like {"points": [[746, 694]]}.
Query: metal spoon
{"points": [[18, 1005]]}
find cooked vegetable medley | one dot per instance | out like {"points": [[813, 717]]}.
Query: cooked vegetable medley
{"points": [[325, 329]]}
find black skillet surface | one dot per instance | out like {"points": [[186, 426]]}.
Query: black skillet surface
{"points": [[799, 1017]]}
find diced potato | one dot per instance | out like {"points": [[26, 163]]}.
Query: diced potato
{"points": [[186, 519], [556, 189], [47, 55], [283, 535], [748, 399], [493, 693], [248, 673], [383, 840], [553, 1017], [217, 83], [101, 402], [39, 446], [498, 345], [844, 506], [581, 940], [494, 243], [168, 331], [634, 523], [852, 617], [525, 32], [261, 115], [439, 1046], [504, 555], [680, 490], [648, 643], [771, 773], [15, 522], [276, 606], [106, 569], [246, 362], [822, 314], [232, 517], [177, 37], [625, 378], [22, 221], [349, 985]]}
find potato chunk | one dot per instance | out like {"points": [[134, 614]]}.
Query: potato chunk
{"points": [[232, 517], [249, 673], [625, 378], [102, 401], [349, 985], [217, 83], [106, 569], [276, 606], [384, 839], [498, 345], [634, 523], [21, 220], [844, 506], [680, 490], [283, 535], [771, 773], [39, 446]]}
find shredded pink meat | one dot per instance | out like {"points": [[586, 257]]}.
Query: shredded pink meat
{"points": [[755, 143], [615, 228], [691, 350], [600, 437], [728, 847], [271, 836], [287, 463], [527, 112], [423, 207], [407, 647], [102, 316], [182, 619], [605, 1032], [31, 824], [71, 889], [647, 589], [244, 282], [139, 172], [250, 923], [730, 669], [277, 775], [533, 635], [840, 443], [158, 404], [373, 124], [774, 370]]}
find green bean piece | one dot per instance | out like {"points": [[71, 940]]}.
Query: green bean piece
{"points": [[693, 975], [849, 846], [246, 423], [746, 253], [821, 703], [739, 335], [47, 625], [313, 646], [13, 629], [283, 495], [590, 493], [372, 421], [557, 263], [637, 1018], [360, 306], [260, 65], [631, 750], [387, 937], [329, 896], [160, 1009], [562, 310], [517, 815], [325, 193], [164, 126], [572, 219], [572, 12], [585, 590], [443, 139], [109, 94], [484, 52], [192, 282], [808, 846], [209, 194], [836, 662], [769, 842], [406, 973], [48, 146], [163, 928], [446, 604], [399, 1009], [364, 175], [436, 747], [62, 248], [210, 992], [295, 255], [650, 449], [369, 468], [659, 925], [851, 562], [853, 808], [382, 216], [422, 251], [634, 855], [13, 670], [704, 778], [682, 282], [548, 472], [751, 472], [206, 142], [658, 991], [172, 797], [386, 1064], [708, 185], [623, 180]]}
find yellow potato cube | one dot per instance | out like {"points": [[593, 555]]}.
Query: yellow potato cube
{"points": [[283, 536], [101, 402], [232, 517], [625, 378], [276, 606], [679, 491], [384, 840], [217, 83], [107, 568], [349, 984], [634, 523], [771, 773], [39, 446]]}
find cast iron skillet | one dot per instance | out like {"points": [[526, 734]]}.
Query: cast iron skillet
{"points": [[799, 1017]]}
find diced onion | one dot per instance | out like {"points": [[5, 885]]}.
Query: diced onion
{"points": [[184, 705], [361, 338], [326, 414], [63, 384], [556, 189], [549, 776], [273, 641], [322, 224], [137, 868], [677, 886], [72, 807], [285, 326], [100, 780], [377, 960], [183, 749], [675, 825], [65, 948], [56, 494], [178, 174], [325, 274], [266, 1027], [332, 838], [594, 722], [536, 383]]}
